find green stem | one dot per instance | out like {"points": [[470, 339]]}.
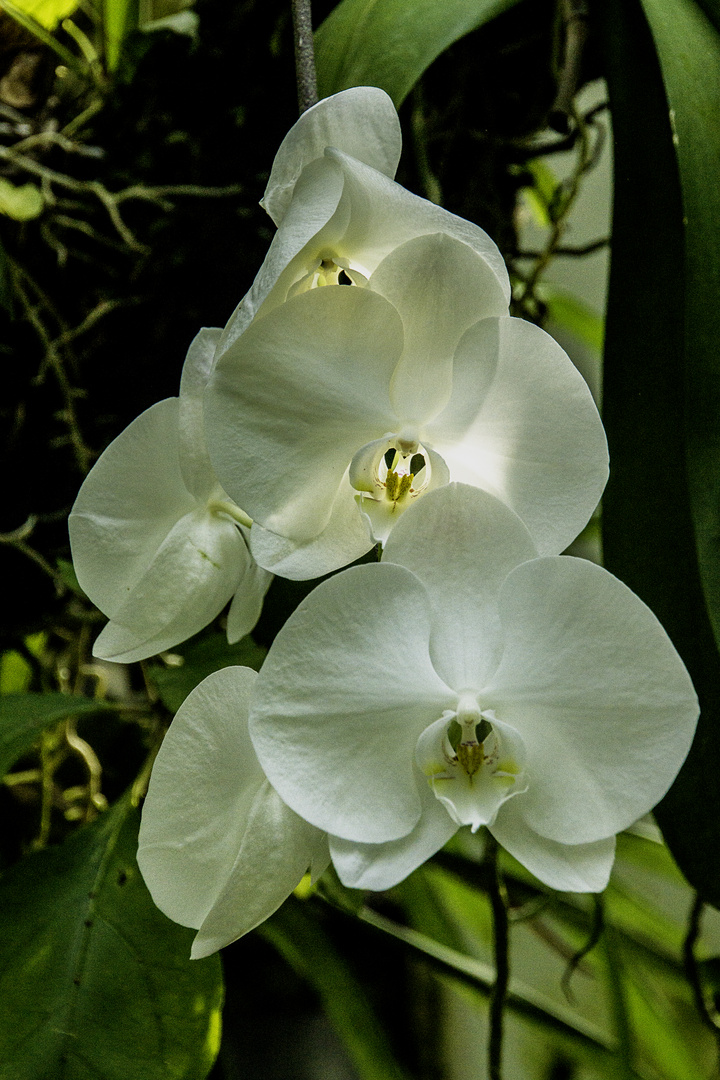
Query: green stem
{"points": [[618, 1003], [304, 54], [498, 997], [596, 931], [710, 1017]]}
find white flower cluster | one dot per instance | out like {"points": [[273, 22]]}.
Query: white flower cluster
{"points": [[372, 388]]}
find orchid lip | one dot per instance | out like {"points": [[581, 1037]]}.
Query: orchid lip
{"points": [[472, 761], [327, 268], [393, 469]]}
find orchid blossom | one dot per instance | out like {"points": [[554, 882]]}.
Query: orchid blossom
{"points": [[218, 848], [338, 210], [156, 543], [466, 681], [338, 409]]}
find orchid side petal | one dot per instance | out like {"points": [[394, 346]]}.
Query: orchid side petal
{"points": [[382, 866], [277, 849], [192, 576], [536, 440], [313, 219], [346, 537], [383, 215], [598, 694], [204, 782], [129, 502], [568, 867]]}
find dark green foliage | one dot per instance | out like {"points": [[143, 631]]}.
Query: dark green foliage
{"points": [[660, 399], [95, 981]]}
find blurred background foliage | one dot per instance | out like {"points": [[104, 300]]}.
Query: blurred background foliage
{"points": [[136, 137]]}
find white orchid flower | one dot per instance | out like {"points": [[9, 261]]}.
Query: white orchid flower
{"points": [[340, 408], [218, 848], [338, 210], [465, 681], [156, 543]]}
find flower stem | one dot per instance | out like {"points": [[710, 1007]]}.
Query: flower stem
{"points": [[707, 1011], [498, 904], [304, 54]]}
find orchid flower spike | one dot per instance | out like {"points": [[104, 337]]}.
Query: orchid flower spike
{"points": [[157, 545], [218, 848], [339, 409], [466, 681]]}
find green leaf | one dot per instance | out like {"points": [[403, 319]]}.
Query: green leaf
{"points": [[15, 672], [301, 940], [96, 982], [390, 43], [24, 716], [22, 202], [198, 658], [662, 339], [654, 1017], [688, 48], [585, 1037], [573, 315], [48, 13], [16, 12]]}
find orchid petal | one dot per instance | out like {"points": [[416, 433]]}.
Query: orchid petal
{"points": [[595, 689], [127, 505], [194, 459], [203, 784], [481, 540], [568, 867], [341, 699], [535, 439], [361, 121], [290, 402], [276, 851], [439, 287], [217, 848], [381, 866], [193, 574], [344, 539]]}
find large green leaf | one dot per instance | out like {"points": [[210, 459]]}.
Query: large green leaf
{"points": [[661, 337], [24, 716], [95, 983], [688, 47], [390, 43]]}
